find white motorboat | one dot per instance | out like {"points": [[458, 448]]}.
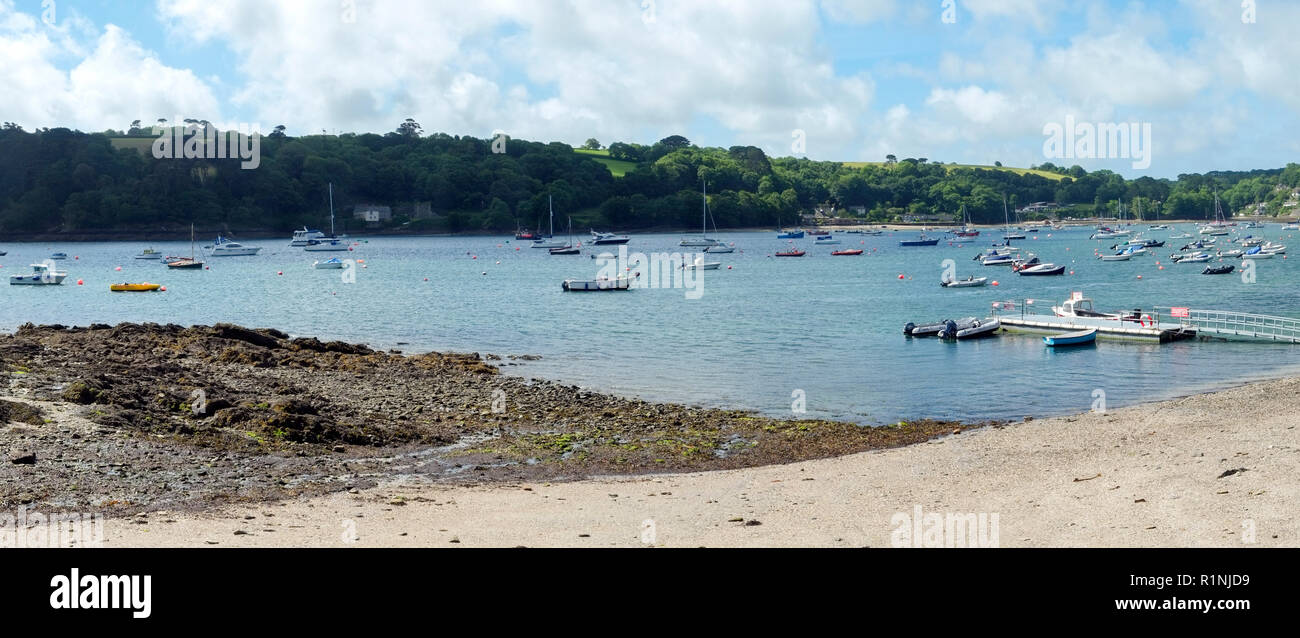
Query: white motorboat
{"points": [[328, 264], [1291, 227], [606, 239], [1041, 270], [306, 235], [703, 239], [720, 249], [826, 240], [1116, 257], [700, 264], [41, 275], [1079, 306], [1194, 258], [59, 256], [149, 253], [224, 247]]}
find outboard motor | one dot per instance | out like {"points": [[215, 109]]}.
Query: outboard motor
{"points": [[949, 330], [907, 330]]}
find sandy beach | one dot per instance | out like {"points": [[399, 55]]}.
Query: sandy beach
{"points": [[1218, 469]]}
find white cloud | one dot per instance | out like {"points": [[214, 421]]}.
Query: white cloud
{"points": [[553, 70], [114, 81]]}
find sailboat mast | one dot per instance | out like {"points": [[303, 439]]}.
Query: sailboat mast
{"points": [[331, 209], [704, 211], [550, 206]]}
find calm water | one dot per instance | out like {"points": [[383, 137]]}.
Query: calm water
{"points": [[766, 327]]}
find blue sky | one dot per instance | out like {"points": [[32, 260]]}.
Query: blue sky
{"points": [[968, 81]]}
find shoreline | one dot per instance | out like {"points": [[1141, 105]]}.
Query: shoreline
{"points": [[1219, 469], [183, 234], [134, 417]]}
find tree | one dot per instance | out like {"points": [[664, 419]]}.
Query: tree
{"points": [[278, 131], [998, 164], [891, 159], [674, 142], [591, 144], [409, 129]]}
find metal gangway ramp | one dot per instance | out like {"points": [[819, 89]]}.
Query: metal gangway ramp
{"points": [[1239, 325]]}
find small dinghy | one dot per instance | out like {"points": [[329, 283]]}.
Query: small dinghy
{"points": [[1079, 338], [852, 251], [924, 330], [1218, 270], [790, 253], [602, 284], [140, 287], [328, 264], [969, 282], [1041, 270], [826, 240], [969, 328]]}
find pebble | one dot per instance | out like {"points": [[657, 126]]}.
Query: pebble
{"points": [[26, 459]]}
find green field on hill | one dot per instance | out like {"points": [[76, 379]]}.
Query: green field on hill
{"points": [[617, 168]]}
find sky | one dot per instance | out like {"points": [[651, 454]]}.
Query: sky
{"points": [[1201, 84]]}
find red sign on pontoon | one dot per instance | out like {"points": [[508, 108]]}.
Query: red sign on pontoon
{"points": [[1178, 312]]}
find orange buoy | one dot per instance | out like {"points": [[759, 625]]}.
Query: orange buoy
{"points": [[79, 282], [995, 283]]}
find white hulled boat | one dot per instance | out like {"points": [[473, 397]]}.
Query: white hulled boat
{"points": [[41, 275]]}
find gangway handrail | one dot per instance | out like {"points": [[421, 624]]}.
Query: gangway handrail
{"points": [[1231, 322]]}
